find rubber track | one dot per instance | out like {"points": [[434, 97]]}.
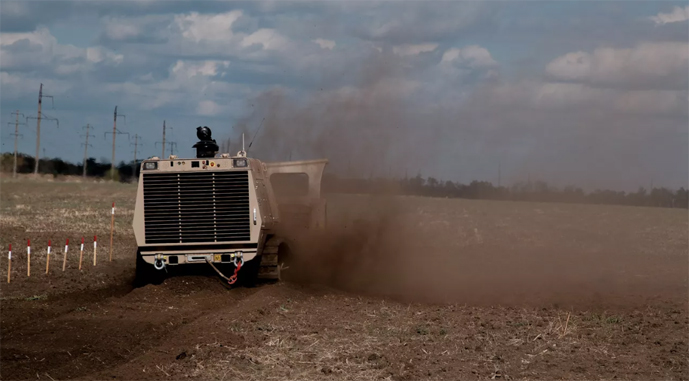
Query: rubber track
{"points": [[270, 268]]}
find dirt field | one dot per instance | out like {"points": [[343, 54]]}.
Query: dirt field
{"points": [[403, 289]]}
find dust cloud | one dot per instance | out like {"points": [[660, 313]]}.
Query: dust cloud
{"points": [[375, 128], [368, 128], [390, 122], [405, 249]]}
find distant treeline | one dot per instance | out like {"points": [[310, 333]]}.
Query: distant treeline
{"points": [[525, 191], [25, 164], [539, 191]]}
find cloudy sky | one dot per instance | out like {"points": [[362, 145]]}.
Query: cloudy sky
{"points": [[588, 93]]}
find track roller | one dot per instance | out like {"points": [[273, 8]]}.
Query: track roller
{"points": [[270, 268]]}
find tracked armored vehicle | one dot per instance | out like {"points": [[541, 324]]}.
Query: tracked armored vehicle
{"points": [[225, 211]]}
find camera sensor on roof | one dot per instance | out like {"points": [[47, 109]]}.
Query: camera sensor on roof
{"points": [[206, 147]]}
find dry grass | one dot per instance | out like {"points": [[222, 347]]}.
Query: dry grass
{"points": [[43, 211], [344, 337], [42, 206]]}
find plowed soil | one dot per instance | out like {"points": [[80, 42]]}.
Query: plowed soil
{"points": [[398, 288]]}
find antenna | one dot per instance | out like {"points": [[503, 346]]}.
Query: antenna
{"points": [[162, 156], [242, 152], [257, 130]]}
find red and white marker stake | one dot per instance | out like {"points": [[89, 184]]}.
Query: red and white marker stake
{"points": [[112, 228], [47, 263], [81, 254], [95, 246], [28, 257], [64, 258], [9, 264]]}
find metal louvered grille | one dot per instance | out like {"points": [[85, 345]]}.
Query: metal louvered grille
{"points": [[194, 207]]}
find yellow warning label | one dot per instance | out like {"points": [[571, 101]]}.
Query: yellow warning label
{"points": [[217, 258]]}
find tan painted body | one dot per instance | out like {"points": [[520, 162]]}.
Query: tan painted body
{"points": [[195, 209]]}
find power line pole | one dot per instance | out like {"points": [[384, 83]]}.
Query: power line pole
{"points": [[172, 146], [16, 135], [136, 147], [114, 133], [165, 128], [38, 123], [86, 147], [162, 156]]}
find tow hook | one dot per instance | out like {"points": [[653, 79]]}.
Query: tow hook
{"points": [[237, 261], [159, 263]]}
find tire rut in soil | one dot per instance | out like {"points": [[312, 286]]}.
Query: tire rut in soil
{"points": [[216, 330], [74, 335]]}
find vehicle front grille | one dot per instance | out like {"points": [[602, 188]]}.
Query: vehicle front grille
{"points": [[196, 207]]}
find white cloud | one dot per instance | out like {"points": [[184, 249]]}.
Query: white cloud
{"points": [[555, 97], [413, 49], [119, 31], [464, 66], [325, 44], [652, 65], [40, 49], [189, 69], [20, 50], [20, 85], [678, 14], [269, 39], [208, 108], [198, 27], [401, 22], [98, 54], [472, 56], [188, 87], [213, 35], [66, 69], [41, 36]]}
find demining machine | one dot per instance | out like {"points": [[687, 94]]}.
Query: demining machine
{"points": [[229, 212]]}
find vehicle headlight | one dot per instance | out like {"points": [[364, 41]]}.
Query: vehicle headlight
{"points": [[239, 163], [151, 165]]}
